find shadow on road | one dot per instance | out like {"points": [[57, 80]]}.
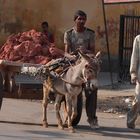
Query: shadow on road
{"points": [[45, 133], [52, 134], [21, 123], [111, 132], [84, 129], [27, 123]]}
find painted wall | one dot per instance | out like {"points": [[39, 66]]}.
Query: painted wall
{"points": [[20, 16], [113, 12], [112, 1]]}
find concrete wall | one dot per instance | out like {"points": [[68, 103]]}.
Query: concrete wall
{"points": [[22, 15], [18, 16], [113, 12]]}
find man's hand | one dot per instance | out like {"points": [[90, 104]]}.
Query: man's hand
{"points": [[134, 79], [69, 56], [84, 50]]}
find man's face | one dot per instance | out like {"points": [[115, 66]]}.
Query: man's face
{"points": [[44, 28], [80, 21]]}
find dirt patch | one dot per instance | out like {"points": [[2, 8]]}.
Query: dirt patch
{"points": [[109, 101], [117, 105], [25, 92]]}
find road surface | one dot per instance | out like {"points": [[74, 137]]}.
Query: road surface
{"points": [[21, 120]]}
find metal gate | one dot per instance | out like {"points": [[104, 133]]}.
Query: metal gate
{"points": [[129, 28]]}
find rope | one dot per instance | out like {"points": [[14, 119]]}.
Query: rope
{"points": [[76, 85]]}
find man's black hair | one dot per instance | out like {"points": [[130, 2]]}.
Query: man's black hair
{"points": [[79, 13], [45, 23]]}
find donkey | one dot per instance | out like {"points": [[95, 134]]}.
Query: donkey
{"points": [[70, 85]]}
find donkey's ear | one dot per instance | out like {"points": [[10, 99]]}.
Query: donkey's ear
{"points": [[98, 55]]}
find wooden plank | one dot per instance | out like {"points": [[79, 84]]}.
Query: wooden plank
{"points": [[9, 69], [15, 66]]}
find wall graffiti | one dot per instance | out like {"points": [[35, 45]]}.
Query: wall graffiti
{"points": [[112, 27]]}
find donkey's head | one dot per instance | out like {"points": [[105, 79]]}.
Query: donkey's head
{"points": [[91, 70]]}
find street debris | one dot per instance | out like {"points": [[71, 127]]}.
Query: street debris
{"points": [[122, 116], [116, 105]]}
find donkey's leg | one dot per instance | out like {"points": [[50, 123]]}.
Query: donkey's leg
{"points": [[45, 103], [69, 111], [65, 114], [74, 105], [57, 108]]}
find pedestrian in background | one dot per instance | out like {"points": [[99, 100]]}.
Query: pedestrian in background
{"points": [[135, 78]]}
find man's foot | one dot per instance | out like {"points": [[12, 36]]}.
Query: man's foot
{"points": [[131, 120], [94, 124], [131, 125]]}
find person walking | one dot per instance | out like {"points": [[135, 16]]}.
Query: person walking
{"points": [[135, 79]]}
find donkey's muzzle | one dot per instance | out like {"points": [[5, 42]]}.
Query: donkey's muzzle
{"points": [[91, 85]]}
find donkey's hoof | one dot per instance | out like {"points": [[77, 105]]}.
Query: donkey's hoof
{"points": [[65, 125], [45, 125], [71, 129], [60, 127]]}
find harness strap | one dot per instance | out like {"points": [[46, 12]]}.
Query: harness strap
{"points": [[76, 85]]}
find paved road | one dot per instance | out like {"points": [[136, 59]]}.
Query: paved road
{"points": [[21, 120]]}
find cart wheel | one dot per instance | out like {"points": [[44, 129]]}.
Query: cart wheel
{"points": [[1, 90], [19, 91], [79, 110], [12, 85]]}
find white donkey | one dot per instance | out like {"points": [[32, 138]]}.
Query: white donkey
{"points": [[70, 86]]}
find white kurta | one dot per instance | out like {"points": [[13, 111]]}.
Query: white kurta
{"points": [[135, 66]]}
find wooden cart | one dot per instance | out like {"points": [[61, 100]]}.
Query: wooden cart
{"points": [[8, 70]]}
